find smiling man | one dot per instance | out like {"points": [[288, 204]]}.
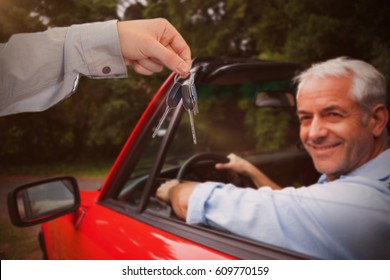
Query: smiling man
{"points": [[345, 215], [339, 128]]}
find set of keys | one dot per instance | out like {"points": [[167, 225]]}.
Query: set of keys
{"points": [[186, 92]]}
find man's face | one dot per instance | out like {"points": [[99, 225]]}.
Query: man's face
{"points": [[332, 127]]}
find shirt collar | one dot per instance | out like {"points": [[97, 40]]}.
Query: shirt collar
{"points": [[377, 169]]}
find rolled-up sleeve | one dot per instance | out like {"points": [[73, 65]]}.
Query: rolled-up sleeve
{"points": [[38, 70], [228, 208], [196, 207], [344, 219]]}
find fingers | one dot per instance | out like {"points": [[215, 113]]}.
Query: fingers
{"points": [[146, 66], [139, 69], [163, 191], [180, 63], [235, 163], [183, 64], [172, 39], [172, 49], [220, 166], [151, 65], [149, 44], [224, 165]]}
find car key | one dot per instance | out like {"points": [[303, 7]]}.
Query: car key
{"points": [[172, 100], [188, 104], [194, 95]]}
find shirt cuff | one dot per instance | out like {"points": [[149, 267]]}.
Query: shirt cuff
{"points": [[197, 202], [101, 50]]}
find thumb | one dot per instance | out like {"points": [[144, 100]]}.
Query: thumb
{"points": [[220, 166], [180, 64]]}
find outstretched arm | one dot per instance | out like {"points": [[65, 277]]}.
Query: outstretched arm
{"points": [[37, 70], [243, 166]]}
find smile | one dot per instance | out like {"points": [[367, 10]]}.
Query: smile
{"points": [[324, 148]]}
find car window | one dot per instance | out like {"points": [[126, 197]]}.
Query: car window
{"points": [[250, 119], [231, 120], [246, 119], [131, 191]]}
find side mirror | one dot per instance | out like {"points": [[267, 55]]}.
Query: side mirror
{"points": [[42, 201]]}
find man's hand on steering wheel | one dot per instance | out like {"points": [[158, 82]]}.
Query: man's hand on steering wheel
{"points": [[246, 168], [236, 164], [227, 175]]}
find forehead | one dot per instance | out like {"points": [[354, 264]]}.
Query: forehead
{"points": [[325, 90]]}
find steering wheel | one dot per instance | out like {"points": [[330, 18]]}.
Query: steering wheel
{"points": [[233, 177]]}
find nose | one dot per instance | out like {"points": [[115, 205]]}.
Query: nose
{"points": [[317, 129]]}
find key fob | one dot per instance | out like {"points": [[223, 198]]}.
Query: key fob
{"points": [[174, 95]]}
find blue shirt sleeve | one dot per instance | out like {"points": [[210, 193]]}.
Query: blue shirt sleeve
{"points": [[340, 220]]}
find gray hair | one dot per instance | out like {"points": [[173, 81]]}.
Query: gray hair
{"points": [[368, 84]]}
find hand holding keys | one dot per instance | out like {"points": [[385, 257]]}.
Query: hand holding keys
{"points": [[185, 91]]}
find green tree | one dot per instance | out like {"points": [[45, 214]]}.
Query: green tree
{"points": [[15, 17], [64, 130], [104, 112]]}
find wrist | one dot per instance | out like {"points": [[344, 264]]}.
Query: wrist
{"points": [[250, 170], [170, 192], [100, 48]]}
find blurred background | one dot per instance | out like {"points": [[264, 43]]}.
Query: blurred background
{"points": [[82, 135], [92, 125]]}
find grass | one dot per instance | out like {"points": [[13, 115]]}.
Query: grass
{"points": [[77, 169], [18, 243]]}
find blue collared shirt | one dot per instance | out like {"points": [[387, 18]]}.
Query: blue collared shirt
{"points": [[348, 218]]}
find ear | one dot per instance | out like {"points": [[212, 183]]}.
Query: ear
{"points": [[378, 119]]}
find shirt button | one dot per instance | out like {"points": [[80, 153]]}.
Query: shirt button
{"points": [[106, 70]]}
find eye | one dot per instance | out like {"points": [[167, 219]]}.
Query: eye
{"points": [[334, 116], [304, 118]]}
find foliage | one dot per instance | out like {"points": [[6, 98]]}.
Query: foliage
{"points": [[103, 113], [15, 18]]}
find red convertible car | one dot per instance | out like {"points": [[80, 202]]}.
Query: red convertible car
{"points": [[245, 106]]}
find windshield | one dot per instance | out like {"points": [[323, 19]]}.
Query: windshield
{"points": [[231, 120], [249, 119]]}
